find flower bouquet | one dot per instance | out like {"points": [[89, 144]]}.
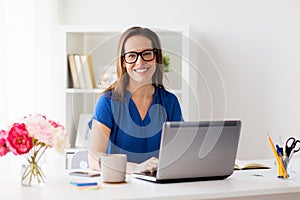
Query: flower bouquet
{"points": [[31, 137]]}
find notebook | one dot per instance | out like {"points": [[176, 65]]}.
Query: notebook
{"points": [[193, 151]]}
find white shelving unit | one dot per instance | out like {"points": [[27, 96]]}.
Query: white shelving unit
{"points": [[101, 43]]}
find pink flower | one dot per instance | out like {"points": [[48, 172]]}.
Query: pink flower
{"points": [[3, 146], [59, 137], [19, 140], [39, 128], [55, 124], [33, 131]]}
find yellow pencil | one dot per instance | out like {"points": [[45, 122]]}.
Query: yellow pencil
{"points": [[281, 170]]}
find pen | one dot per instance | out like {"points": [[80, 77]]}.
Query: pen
{"points": [[279, 150], [281, 169], [83, 184]]}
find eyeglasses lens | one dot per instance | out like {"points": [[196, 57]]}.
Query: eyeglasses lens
{"points": [[131, 57]]}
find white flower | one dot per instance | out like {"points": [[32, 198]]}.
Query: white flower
{"points": [[39, 128], [59, 139]]}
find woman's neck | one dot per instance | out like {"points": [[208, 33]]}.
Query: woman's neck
{"points": [[144, 91]]}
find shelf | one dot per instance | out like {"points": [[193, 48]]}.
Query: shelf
{"points": [[83, 91], [175, 91]]}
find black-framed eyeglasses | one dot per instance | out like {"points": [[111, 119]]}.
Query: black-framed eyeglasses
{"points": [[132, 56]]}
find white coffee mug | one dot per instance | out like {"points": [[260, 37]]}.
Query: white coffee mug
{"points": [[113, 168]]}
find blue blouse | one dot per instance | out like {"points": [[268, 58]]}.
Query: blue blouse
{"points": [[138, 138]]}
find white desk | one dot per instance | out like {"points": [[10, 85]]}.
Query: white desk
{"points": [[241, 185]]}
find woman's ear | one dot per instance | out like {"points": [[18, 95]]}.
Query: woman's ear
{"points": [[123, 64]]}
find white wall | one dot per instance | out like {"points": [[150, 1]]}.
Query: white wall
{"points": [[31, 78], [254, 44], [48, 60], [17, 37]]}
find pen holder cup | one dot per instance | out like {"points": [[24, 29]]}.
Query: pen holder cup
{"points": [[280, 161], [281, 168]]}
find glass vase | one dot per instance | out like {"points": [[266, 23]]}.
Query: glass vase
{"points": [[32, 173]]}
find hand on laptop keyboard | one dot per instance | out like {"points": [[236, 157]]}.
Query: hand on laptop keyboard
{"points": [[147, 173], [149, 166]]}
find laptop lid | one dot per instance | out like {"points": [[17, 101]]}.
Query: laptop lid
{"points": [[203, 150]]}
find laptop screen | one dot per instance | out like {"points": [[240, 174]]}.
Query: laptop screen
{"points": [[198, 149]]}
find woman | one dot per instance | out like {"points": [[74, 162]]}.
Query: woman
{"points": [[130, 113]]}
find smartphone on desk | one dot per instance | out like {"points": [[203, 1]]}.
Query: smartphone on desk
{"points": [[84, 174]]}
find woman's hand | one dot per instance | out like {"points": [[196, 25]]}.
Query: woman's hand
{"points": [[147, 166]]}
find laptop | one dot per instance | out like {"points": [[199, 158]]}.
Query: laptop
{"points": [[196, 151]]}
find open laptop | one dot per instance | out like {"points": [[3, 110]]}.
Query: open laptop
{"points": [[192, 151]]}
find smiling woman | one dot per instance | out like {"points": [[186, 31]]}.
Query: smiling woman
{"points": [[129, 115]]}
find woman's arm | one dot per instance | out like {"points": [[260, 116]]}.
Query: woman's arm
{"points": [[98, 143]]}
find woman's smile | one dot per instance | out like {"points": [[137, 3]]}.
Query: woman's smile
{"points": [[141, 70]]}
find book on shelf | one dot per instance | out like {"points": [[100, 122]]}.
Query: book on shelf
{"points": [[80, 72], [88, 71], [73, 70], [245, 165]]}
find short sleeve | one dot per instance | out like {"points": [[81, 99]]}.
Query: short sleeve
{"points": [[170, 102], [176, 111], [103, 112]]}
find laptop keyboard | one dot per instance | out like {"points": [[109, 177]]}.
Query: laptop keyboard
{"points": [[148, 173]]}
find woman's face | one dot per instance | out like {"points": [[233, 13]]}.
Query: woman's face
{"points": [[140, 71]]}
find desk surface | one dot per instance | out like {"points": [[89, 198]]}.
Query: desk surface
{"points": [[241, 185]]}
